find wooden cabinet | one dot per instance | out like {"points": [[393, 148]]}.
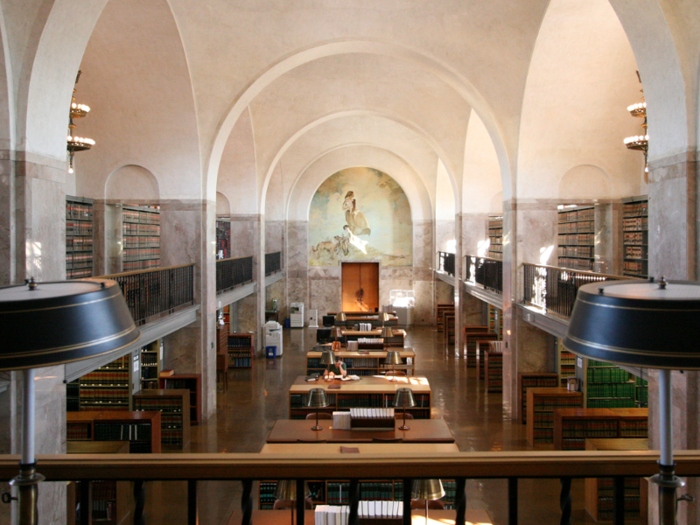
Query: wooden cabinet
{"points": [[532, 380], [173, 405], [140, 429], [439, 315], [191, 382], [541, 404], [493, 366], [240, 350]]}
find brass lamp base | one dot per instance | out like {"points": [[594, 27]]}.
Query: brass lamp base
{"points": [[27, 483]]}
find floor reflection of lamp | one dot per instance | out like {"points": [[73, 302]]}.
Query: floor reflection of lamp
{"points": [[317, 399], [45, 324], [286, 490], [393, 358], [650, 325], [428, 490], [404, 398]]}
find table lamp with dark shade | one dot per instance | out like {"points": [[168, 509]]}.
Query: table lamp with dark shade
{"points": [[393, 358], [286, 490], [52, 323], [428, 490], [317, 399], [645, 324], [404, 398]]}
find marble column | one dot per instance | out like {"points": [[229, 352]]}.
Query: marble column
{"points": [[33, 244], [528, 226], [297, 253], [274, 242], [188, 236], [423, 279], [108, 236]]}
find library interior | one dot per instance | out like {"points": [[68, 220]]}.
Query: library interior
{"points": [[418, 189]]}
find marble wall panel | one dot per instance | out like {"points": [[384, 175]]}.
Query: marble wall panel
{"points": [[244, 235], [473, 311], [274, 236], [7, 241], [325, 294], [297, 245], [423, 252], [474, 232], [277, 291], [424, 313], [247, 314], [298, 290], [444, 293], [444, 236]]}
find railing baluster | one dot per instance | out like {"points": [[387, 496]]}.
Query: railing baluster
{"points": [[619, 500], [407, 489], [512, 501], [354, 518], [247, 501], [565, 501], [301, 502], [139, 502], [460, 499], [85, 502], [192, 510]]}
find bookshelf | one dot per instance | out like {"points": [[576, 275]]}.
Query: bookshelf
{"points": [[599, 491], [173, 405], [79, 237], [150, 364], [495, 321], [336, 492], [240, 350], [140, 238], [191, 382], [635, 237], [576, 231], [369, 364], [641, 392], [373, 338], [449, 323], [140, 429], [541, 405], [566, 363], [73, 396], [223, 238], [608, 386], [440, 310], [533, 380], [496, 237], [471, 340], [106, 388], [634, 422], [493, 367], [573, 425]]}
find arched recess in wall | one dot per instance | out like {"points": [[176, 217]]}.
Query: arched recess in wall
{"points": [[450, 76], [223, 208], [482, 175], [496, 205], [360, 214], [132, 184], [584, 182], [574, 110]]}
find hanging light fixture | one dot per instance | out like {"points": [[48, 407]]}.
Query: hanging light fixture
{"points": [[75, 143], [639, 142]]}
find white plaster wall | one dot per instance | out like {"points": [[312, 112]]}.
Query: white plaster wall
{"points": [[581, 81], [237, 172], [131, 182], [274, 197], [445, 197], [482, 173]]}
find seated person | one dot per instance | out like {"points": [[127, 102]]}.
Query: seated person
{"points": [[337, 369]]}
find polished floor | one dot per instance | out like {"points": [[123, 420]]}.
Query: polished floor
{"points": [[257, 397]]}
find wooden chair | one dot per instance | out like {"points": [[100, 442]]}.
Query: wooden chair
{"points": [[321, 415]]}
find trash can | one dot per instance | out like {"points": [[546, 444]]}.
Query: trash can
{"points": [[271, 352], [287, 323]]}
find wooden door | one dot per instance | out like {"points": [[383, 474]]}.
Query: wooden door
{"points": [[360, 287]]}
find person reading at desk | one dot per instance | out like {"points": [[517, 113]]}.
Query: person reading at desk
{"points": [[337, 369]]}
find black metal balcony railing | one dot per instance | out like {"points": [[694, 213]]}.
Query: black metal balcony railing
{"points": [[273, 262], [233, 272], [446, 263], [149, 293], [554, 289], [484, 271], [565, 466]]}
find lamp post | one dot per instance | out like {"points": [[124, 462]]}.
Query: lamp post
{"points": [[52, 323], [647, 324], [404, 398]]}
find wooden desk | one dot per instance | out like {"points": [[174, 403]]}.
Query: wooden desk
{"points": [[365, 448], [362, 364], [370, 391], [421, 431], [435, 517]]}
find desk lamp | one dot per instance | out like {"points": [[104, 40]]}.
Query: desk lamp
{"points": [[327, 358], [404, 398], [428, 490], [646, 324], [46, 324], [341, 318], [286, 490], [393, 357], [317, 399]]}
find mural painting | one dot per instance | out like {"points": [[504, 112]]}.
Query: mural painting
{"points": [[360, 214]]}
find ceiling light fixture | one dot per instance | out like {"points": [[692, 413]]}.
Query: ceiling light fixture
{"points": [[75, 143], [639, 142]]}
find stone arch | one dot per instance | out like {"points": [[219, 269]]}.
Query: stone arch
{"points": [[132, 183], [584, 182], [223, 206], [454, 79]]}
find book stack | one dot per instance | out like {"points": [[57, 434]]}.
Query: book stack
{"points": [[367, 510], [372, 418]]}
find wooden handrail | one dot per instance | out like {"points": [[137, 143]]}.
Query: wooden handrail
{"points": [[137, 272], [233, 258], [585, 272], [482, 257], [474, 465]]}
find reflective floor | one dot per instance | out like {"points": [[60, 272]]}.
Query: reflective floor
{"points": [[257, 397]]}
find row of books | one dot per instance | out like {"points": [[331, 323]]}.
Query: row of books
{"points": [[145, 230], [575, 251], [635, 252], [590, 429], [138, 254], [372, 413], [74, 227], [143, 217], [576, 239], [78, 260], [585, 265], [585, 214], [634, 238], [141, 242], [111, 377], [79, 244], [78, 432], [240, 362], [370, 340], [542, 435], [120, 363], [100, 396], [78, 210], [611, 390], [132, 266], [607, 374], [550, 403], [238, 341], [164, 405], [634, 428], [495, 222], [635, 224], [611, 403], [122, 431], [574, 227], [635, 208], [496, 232], [543, 420], [635, 268], [78, 273]]}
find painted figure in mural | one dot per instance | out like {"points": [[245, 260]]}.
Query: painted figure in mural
{"points": [[356, 219], [354, 239]]}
